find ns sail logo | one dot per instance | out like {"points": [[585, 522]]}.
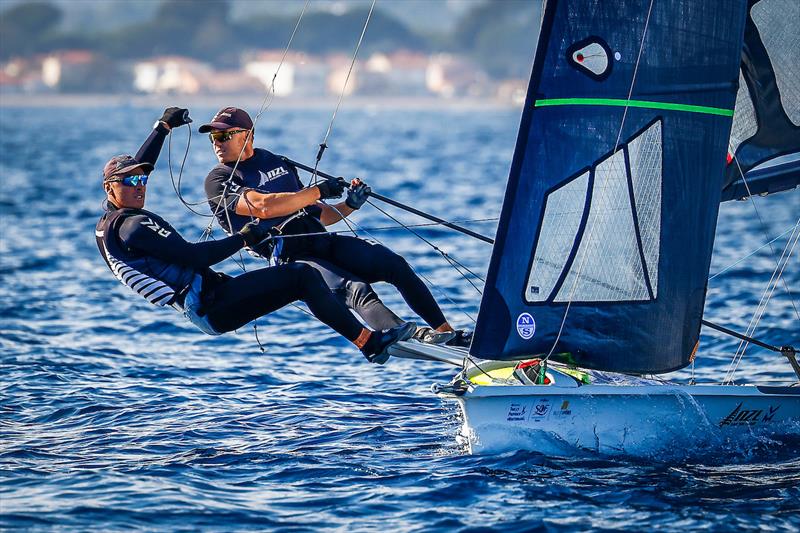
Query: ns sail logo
{"points": [[526, 326]]}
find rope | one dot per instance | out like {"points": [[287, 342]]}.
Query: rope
{"points": [[453, 262], [616, 145], [751, 254], [777, 275], [763, 226], [265, 104], [324, 144], [425, 278]]}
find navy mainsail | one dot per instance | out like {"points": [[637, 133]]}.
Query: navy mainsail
{"points": [[766, 123], [605, 237]]}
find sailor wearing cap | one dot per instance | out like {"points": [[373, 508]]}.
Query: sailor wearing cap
{"points": [[252, 183]]}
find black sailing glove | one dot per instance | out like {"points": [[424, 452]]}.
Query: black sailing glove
{"points": [[357, 195], [175, 116], [253, 233], [331, 188]]}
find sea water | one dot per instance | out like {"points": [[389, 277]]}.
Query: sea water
{"points": [[115, 415]]}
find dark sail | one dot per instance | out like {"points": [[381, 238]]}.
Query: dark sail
{"points": [[612, 200], [766, 122]]}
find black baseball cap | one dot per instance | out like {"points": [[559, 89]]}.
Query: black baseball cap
{"points": [[226, 118], [120, 164]]}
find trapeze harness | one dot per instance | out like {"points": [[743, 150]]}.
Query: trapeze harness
{"points": [[267, 173], [159, 282]]}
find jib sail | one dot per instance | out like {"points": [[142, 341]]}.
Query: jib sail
{"points": [[605, 237], [766, 123]]}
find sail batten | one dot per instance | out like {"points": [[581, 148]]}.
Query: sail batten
{"points": [[609, 215]]}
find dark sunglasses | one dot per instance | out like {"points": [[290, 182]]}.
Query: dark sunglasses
{"points": [[130, 181], [224, 136]]}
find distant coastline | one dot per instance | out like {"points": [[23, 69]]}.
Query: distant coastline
{"points": [[251, 101]]}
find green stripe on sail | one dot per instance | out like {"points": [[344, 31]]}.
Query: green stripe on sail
{"points": [[618, 102]]}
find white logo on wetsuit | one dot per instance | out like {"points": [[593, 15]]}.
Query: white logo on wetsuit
{"points": [[271, 175], [149, 223]]}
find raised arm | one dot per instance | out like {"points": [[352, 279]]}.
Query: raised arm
{"points": [[172, 118]]}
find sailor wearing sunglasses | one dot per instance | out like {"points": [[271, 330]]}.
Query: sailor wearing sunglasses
{"points": [[148, 255], [252, 183]]}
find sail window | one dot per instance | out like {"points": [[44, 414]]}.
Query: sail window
{"points": [[562, 218], [613, 255], [778, 23], [608, 265], [744, 117], [644, 155]]}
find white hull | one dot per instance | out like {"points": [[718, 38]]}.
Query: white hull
{"points": [[611, 414], [622, 419]]}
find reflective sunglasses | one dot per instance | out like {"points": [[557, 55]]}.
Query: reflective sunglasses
{"points": [[224, 136], [130, 181]]}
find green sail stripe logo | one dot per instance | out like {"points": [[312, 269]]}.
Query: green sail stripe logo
{"points": [[619, 102]]}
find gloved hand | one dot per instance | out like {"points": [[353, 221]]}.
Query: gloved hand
{"points": [[357, 194], [253, 233], [175, 116], [331, 188]]}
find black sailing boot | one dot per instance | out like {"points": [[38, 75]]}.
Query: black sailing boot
{"points": [[375, 348]]}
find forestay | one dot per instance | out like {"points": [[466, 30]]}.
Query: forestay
{"points": [[610, 209], [766, 123]]}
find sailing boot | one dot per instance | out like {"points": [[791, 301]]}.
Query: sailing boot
{"points": [[462, 339], [375, 348], [431, 336]]}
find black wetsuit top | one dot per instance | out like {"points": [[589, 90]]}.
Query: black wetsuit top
{"points": [[148, 255]]}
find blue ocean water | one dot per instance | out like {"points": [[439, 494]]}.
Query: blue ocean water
{"points": [[118, 416]]}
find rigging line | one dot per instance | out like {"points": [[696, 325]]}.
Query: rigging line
{"points": [[427, 224], [270, 95], [380, 228], [177, 187], [765, 296], [343, 218], [265, 103], [615, 150], [763, 226], [439, 289], [730, 375], [324, 144], [447, 256], [762, 306], [773, 283], [749, 255]]}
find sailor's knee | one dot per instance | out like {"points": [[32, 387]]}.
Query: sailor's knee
{"points": [[396, 263], [359, 292], [304, 274]]}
